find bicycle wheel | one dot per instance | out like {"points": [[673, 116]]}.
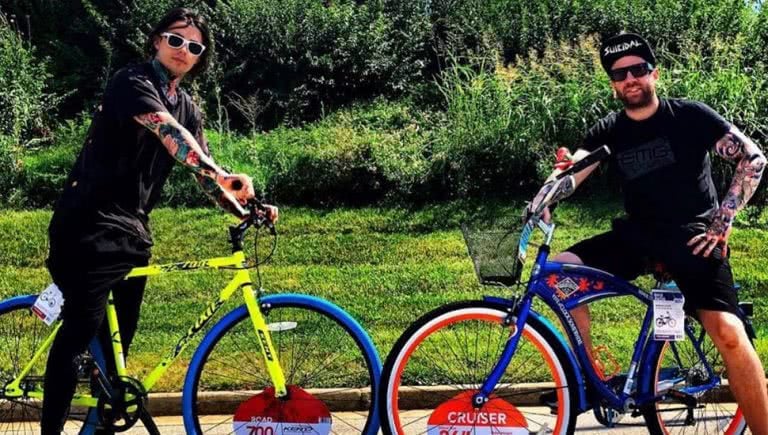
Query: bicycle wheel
{"points": [[329, 363], [438, 364], [21, 335], [678, 367]]}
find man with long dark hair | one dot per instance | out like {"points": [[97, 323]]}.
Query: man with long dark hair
{"points": [[100, 227]]}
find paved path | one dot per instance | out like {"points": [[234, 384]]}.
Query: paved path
{"points": [[586, 424]]}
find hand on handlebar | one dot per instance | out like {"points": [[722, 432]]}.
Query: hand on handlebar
{"points": [[258, 209]]}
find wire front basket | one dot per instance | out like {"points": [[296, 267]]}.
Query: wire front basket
{"points": [[494, 252]]}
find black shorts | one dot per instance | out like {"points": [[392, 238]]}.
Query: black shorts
{"points": [[631, 249]]}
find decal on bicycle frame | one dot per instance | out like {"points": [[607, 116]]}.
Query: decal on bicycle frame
{"points": [[299, 413], [458, 416], [565, 286], [525, 237]]}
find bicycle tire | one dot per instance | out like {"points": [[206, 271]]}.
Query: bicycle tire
{"points": [[317, 321], [21, 334], [539, 353], [677, 365]]}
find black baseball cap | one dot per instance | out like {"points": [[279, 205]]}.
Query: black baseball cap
{"points": [[625, 44]]}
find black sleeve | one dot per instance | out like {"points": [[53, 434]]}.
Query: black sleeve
{"points": [[598, 135], [708, 124], [131, 93]]}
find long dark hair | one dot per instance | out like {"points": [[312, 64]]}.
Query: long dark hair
{"points": [[192, 18]]}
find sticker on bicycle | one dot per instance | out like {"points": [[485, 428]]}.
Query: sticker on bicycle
{"points": [[48, 305], [565, 286], [457, 416], [525, 237], [668, 315], [265, 414]]}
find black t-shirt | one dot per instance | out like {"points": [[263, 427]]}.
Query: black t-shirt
{"points": [[663, 161], [120, 172]]}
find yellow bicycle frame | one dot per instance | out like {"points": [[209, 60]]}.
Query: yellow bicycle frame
{"points": [[241, 280]]}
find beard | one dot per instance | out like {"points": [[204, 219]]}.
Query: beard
{"points": [[643, 98]]}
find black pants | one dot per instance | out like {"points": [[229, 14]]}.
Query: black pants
{"points": [[85, 273]]}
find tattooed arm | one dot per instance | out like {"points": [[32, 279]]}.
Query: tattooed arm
{"points": [[737, 147], [556, 190], [211, 188], [185, 149]]}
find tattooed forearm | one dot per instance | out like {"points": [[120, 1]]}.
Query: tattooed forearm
{"points": [[749, 171], [180, 143], [552, 192]]}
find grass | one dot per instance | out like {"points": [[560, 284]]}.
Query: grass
{"points": [[385, 266]]}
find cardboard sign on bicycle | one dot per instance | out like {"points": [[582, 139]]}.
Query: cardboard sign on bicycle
{"points": [[668, 315], [265, 414], [457, 416], [48, 305]]}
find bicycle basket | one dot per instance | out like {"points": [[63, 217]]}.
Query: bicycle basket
{"points": [[494, 252]]}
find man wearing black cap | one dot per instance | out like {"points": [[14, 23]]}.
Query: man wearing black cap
{"points": [[661, 149]]}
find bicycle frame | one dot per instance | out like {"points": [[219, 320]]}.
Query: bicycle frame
{"points": [[241, 280], [564, 287]]}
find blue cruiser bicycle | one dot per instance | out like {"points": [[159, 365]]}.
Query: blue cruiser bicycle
{"points": [[498, 366]]}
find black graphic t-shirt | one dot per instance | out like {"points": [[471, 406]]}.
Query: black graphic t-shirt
{"points": [[663, 161], [122, 167]]}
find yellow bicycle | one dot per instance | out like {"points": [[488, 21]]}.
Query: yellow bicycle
{"points": [[286, 361]]}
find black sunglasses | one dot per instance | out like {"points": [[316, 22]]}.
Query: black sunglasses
{"points": [[176, 41], [638, 70]]}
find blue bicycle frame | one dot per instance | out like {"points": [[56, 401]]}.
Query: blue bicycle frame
{"points": [[564, 287]]}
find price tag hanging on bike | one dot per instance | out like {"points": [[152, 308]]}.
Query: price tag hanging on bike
{"points": [[48, 305], [668, 315]]}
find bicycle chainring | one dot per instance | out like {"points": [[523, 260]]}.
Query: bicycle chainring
{"points": [[120, 408]]}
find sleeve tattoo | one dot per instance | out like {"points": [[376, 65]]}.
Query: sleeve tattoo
{"points": [[180, 143], [552, 192], [192, 152], [735, 146]]}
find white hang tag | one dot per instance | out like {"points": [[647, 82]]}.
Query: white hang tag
{"points": [[668, 315], [48, 305]]}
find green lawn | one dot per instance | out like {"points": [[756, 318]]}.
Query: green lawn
{"points": [[385, 266]]}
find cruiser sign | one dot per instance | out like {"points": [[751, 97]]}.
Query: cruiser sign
{"points": [[457, 416]]}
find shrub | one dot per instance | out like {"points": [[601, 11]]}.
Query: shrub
{"points": [[351, 157], [504, 124], [10, 169], [23, 98], [46, 169]]}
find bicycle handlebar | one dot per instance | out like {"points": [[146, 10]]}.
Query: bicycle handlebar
{"points": [[591, 158]]}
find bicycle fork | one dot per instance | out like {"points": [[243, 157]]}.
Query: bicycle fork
{"points": [[517, 315], [271, 359]]}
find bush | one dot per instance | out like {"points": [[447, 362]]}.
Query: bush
{"points": [[351, 157], [23, 98], [503, 125], [10, 169], [46, 169]]}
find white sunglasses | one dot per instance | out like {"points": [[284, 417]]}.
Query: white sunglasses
{"points": [[176, 41]]}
